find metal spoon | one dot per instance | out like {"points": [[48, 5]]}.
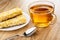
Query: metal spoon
{"points": [[28, 32]]}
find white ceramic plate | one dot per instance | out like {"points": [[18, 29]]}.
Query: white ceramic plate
{"points": [[17, 27]]}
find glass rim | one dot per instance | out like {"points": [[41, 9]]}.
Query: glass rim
{"points": [[42, 3]]}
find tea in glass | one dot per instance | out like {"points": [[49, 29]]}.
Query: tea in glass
{"points": [[41, 14]]}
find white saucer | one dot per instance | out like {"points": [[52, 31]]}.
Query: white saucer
{"points": [[18, 27]]}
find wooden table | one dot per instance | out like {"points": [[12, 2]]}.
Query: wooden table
{"points": [[49, 33]]}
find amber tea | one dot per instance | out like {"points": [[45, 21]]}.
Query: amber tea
{"points": [[41, 15]]}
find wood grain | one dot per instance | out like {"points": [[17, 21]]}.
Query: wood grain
{"points": [[50, 33]]}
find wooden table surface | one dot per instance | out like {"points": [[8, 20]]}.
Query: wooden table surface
{"points": [[50, 33]]}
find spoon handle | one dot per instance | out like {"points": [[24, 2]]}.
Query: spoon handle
{"points": [[13, 37]]}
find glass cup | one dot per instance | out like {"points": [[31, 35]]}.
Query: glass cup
{"points": [[42, 13]]}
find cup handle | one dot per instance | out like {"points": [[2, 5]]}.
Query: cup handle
{"points": [[54, 19]]}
